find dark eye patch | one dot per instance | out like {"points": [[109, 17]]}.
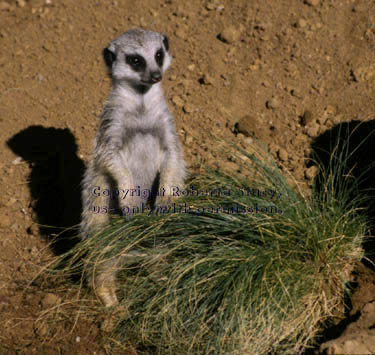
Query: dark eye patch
{"points": [[159, 57], [137, 62]]}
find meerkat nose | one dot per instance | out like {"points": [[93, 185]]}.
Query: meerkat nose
{"points": [[155, 76]]}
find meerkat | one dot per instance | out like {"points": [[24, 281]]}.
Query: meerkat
{"points": [[136, 146]]}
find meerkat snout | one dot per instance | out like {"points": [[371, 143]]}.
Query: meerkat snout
{"points": [[156, 76]]}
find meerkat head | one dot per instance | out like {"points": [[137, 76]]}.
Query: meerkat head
{"points": [[138, 58]]}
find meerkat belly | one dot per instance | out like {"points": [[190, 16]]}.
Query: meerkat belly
{"points": [[144, 158]]}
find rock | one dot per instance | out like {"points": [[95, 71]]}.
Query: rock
{"points": [[5, 221], [249, 126], [188, 108], [188, 138], [248, 140], [322, 119], [273, 103], [369, 308], [34, 252], [42, 329], [301, 23], [229, 166], [254, 66], [311, 172], [340, 346], [50, 300], [312, 2], [211, 5], [191, 67], [21, 3], [36, 3], [313, 130], [330, 110], [283, 155], [181, 33], [4, 5], [11, 202], [178, 101], [307, 118], [15, 227], [230, 34], [18, 161], [364, 73], [33, 230], [207, 79]]}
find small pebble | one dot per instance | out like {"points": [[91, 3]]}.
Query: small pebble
{"points": [[207, 79], [230, 34], [283, 155], [34, 252], [313, 130], [307, 118], [11, 202], [178, 101], [188, 138], [17, 161], [181, 33], [33, 230], [191, 67], [21, 3], [5, 221], [273, 103], [50, 300], [248, 140], [211, 6], [330, 110], [301, 23], [4, 5], [188, 108], [311, 172], [312, 2]]}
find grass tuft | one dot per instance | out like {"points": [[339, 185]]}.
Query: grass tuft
{"points": [[215, 280]]}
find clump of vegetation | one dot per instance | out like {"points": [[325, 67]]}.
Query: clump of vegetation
{"points": [[239, 267]]}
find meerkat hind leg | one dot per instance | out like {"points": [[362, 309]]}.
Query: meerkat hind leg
{"points": [[104, 283]]}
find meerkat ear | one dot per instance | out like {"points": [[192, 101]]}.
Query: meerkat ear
{"points": [[166, 42], [109, 57]]}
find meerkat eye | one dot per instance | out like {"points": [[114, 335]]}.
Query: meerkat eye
{"points": [[137, 62], [159, 57]]}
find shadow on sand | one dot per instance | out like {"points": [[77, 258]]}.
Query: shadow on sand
{"points": [[54, 182], [350, 145]]}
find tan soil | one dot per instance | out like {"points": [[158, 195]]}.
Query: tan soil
{"points": [[284, 71]]}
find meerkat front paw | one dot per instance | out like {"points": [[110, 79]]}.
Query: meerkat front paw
{"points": [[167, 196]]}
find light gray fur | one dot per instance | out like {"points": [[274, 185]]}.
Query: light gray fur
{"points": [[136, 140]]}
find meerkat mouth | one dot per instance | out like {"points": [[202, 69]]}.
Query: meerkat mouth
{"points": [[153, 78], [151, 81]]}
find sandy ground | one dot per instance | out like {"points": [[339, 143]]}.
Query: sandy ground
{"points": [[286, 72]]}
